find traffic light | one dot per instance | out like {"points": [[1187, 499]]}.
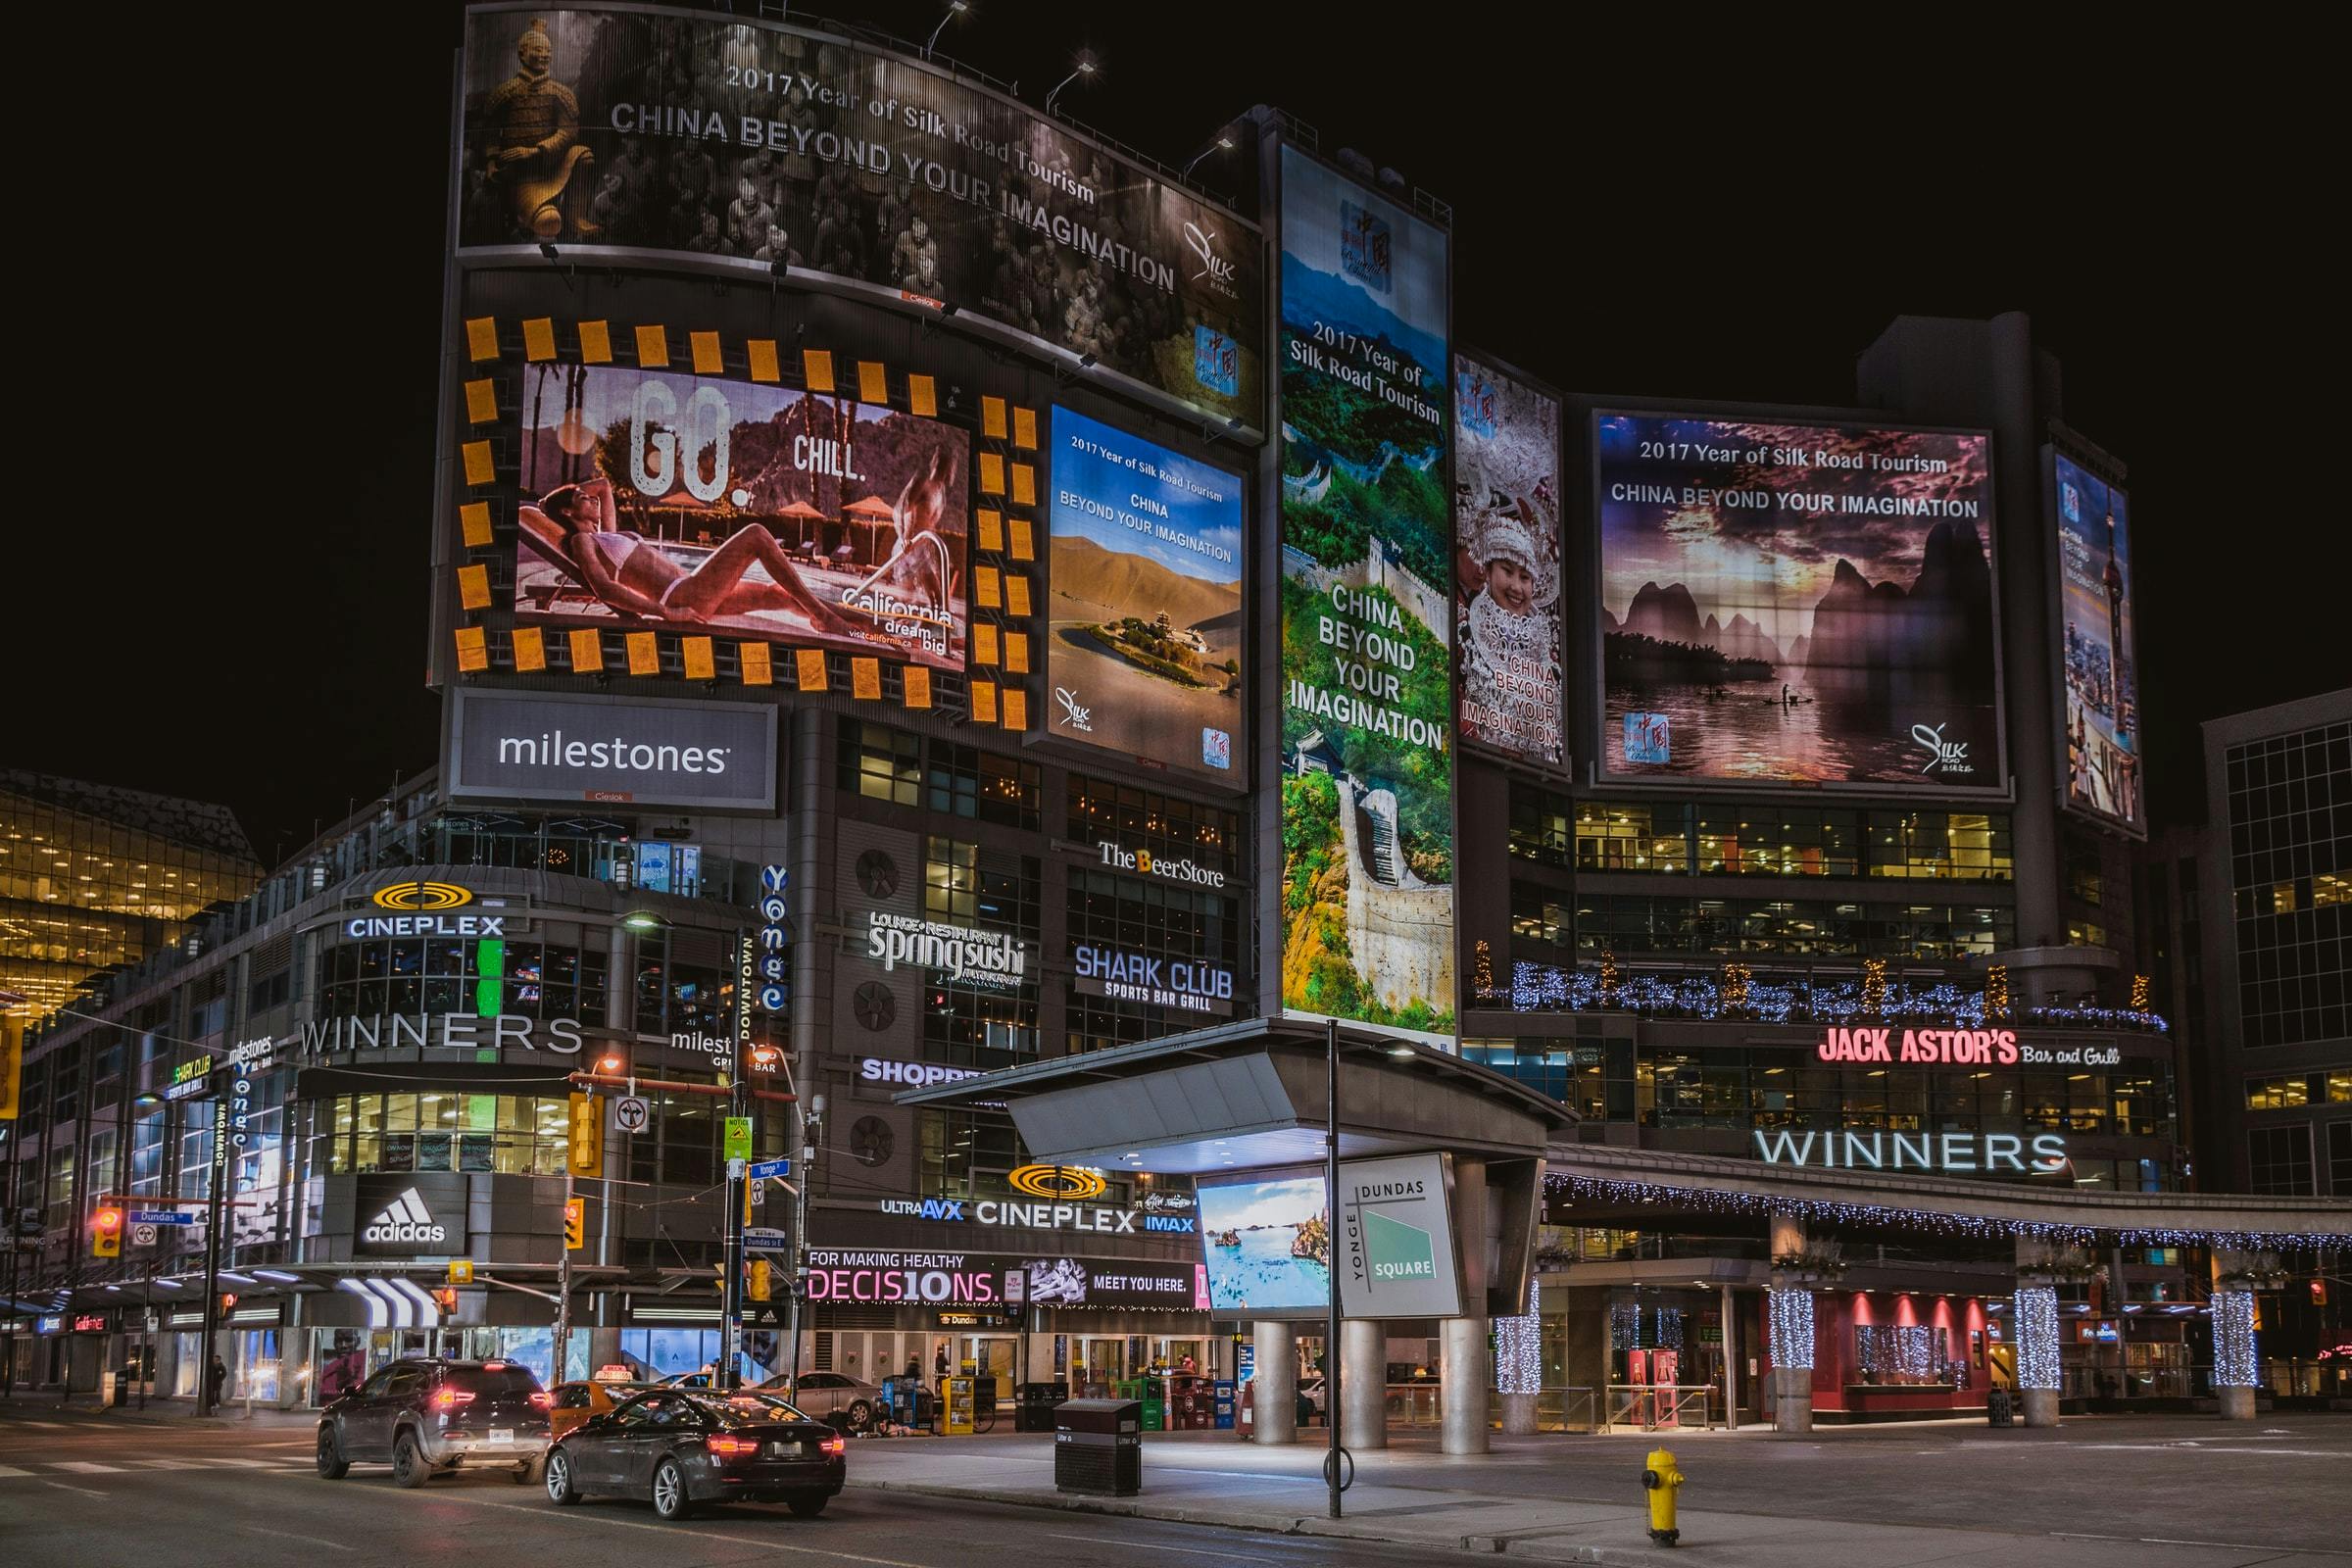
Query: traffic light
{"points": [[760, 1279], [2319, 1293], [587, 1152], [106, 1232], [575, 1224], [228, 1302], [446, 1299]]}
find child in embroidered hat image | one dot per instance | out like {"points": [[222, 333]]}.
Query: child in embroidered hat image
{"points": [[1510, 656]]}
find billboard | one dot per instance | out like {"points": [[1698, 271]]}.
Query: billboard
{"points": [[668, 500], [559, 746], [1145, 649], [1267, 1242], [727, 142], [1396, 1254], [1367, 607], [2095, 568], [1507, 528], [1797, 604]]}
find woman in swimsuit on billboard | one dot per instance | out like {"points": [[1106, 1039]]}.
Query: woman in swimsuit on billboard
{"points": [[574, 525]]}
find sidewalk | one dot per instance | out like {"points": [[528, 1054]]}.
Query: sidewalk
{"points": [[1415, 1495]]}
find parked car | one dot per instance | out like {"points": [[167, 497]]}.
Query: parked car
{"points": [[849, 1403], [682, 1447], [427, 1416], [571, 1403]]}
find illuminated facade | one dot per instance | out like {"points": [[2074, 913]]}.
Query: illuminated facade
{"points": [[94, 877]]}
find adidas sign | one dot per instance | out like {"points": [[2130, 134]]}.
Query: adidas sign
{"points": [[405, 1219]]}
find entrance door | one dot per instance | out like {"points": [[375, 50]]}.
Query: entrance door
{"points": [[990, 1356]]}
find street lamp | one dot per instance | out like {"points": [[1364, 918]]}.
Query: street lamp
{"points": [[1223, 145], [644, 921], [956, 8], [1086, 68]]}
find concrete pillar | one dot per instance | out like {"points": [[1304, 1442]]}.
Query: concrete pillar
{"points": [[1789, 1323], [2237, 1367], [1730, 1360], [1465, 1369], [1364, 1384], [604, 1348], [2034, 1303], [1274, 1403]]}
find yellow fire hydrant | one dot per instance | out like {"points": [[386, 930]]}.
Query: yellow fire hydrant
{"points": [[1663, 1480]]}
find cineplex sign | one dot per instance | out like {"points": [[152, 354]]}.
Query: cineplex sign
{"points": [[1092, 1217]]}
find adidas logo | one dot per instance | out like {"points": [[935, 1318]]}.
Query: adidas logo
{"points": [[406, 1219]]}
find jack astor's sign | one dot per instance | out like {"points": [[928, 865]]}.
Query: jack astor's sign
{"points": [[1958, 1047]]}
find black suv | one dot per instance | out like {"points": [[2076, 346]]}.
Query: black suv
{"points": [[428, 1416]]}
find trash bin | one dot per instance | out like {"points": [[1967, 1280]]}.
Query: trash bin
{"points": [[1999, 1410], [1098, 1446], [1033, 1405]]}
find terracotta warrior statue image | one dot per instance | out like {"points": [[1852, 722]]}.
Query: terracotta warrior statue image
{"points": [[535, 167]]}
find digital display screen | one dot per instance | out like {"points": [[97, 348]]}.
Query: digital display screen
{"points": [[1145, 651], [2096, 571], [1797, 604], [1367, 607], [1507, 580], [684, 504], [1267, 1242], [729, 142]]}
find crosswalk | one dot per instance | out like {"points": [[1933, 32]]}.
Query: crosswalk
{"points": [[95, 1467]]}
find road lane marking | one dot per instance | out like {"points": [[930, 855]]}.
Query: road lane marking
{"points": [[1153, 1546], [288, 1535], [754, 1541], [12, 1470], [87, 1467], [85, 1491]]}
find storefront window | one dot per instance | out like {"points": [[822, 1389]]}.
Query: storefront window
{"points": [[529, 979], [516, 1134]]}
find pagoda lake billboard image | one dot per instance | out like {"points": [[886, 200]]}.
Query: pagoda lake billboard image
{"points": [[1368, 608], [1798, 604]]}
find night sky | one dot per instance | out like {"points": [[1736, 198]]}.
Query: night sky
{"points": [[225, 594]]}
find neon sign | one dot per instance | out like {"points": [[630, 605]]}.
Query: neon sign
{"points": [[1956, 1048]]}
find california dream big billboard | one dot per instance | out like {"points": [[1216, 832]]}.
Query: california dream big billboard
{"points": [[724, 139], [2097, 570], [1506, 521], [1145, 648], [1367, 607], [1797, 604], [697, 504]]}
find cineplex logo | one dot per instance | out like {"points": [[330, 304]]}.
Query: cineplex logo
{"points": [[406, 1219]]}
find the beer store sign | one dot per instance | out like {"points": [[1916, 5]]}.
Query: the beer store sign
{"points": [[1168, 868], [1123, 975], [1954, 1153]]}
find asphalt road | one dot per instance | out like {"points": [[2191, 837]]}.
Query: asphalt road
{"points": [[85, 1492]]}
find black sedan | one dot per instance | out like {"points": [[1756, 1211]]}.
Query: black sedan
{"points": [[682, 1447]]}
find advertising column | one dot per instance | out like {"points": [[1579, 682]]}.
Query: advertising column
{"points": [[2096, 568], [1366, 607]]}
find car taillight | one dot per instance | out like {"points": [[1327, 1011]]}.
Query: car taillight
{"points": [[835, 1445], [731, 1446], [540, 1400], [451, 1399]]}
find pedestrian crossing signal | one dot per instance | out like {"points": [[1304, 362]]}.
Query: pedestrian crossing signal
{"points": [[575, 1224], [106, 1233], [586, 1157]]}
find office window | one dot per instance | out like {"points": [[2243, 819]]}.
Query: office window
{"points": [[2340, 1157], [2278, 1160], [881, 763]]}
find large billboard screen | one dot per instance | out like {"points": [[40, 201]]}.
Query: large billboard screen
{"points": [[1145, 651], [1506, 528], [1797, 604], [693, 505], [566, 747], [720, 139], [1367, 607], [2096, 568], [1268, 1245]]}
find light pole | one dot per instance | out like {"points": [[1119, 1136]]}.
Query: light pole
{"points": [[1331, 1268], [799, 1285], [1086, 68], [956, 8], [1223, 145]]}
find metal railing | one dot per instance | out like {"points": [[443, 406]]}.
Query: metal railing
{"points": [[1657, 1407]]}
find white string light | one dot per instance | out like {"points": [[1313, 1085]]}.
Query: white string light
{"points": [[2235, 1364], [1547, 987], [1519, 1350], [2037, 1337], [1611, 1189], [1791, 1326]]}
